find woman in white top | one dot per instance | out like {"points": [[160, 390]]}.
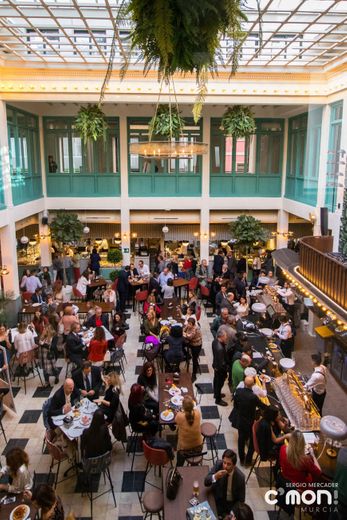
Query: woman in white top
{"points": [[24, 340], [242, 309], [17, 462], [82, 283]]}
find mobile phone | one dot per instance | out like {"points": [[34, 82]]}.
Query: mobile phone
{"points": [[9, 500]]}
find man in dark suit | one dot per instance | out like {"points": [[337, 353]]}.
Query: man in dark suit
{"points": [[37, 296], [220, 364], [123, 287], [245, 404], [228, 483], [88, 380], [75, 349], [218, 261], [63, 400], [98, 319]]}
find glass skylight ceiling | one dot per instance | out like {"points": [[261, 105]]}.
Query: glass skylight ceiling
{"points": [[311, 35]]}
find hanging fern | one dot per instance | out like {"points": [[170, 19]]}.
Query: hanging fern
{"points": [[180, 36], [90, 123], [238, 121], [166, 122]]}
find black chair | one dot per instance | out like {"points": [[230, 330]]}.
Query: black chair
{"points": [[96, 466], [133, 440]]}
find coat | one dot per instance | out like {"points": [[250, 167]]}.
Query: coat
{"points": [[75, 349], [58, 403], [91, 321], [78, 378], [219, 488]]}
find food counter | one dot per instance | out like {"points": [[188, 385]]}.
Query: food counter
{"points": [[297, 402], [285, 390]]}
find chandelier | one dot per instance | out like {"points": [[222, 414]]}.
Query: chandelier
{"points": [[172, 148]]}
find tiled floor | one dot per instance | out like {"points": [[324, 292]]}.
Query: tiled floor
{"points": [[26, 429]]}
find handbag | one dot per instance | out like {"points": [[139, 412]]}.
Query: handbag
{"points": [[173, 479]]}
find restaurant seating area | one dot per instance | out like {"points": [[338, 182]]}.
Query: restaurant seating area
{"points": [[173, 245]]}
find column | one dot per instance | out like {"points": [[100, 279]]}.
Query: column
{"points": [[5, 157], [125, 233], [204, 234], [9, 259], [282, 227], [205, 174], [335, 220], [322, 172], [123, 155], [284, 158], [42, 159], [45, 242]]}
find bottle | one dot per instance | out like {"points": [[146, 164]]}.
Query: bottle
{"points": [[196, 488]]}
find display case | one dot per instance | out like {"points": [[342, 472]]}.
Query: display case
{"points": [[297, 402]]}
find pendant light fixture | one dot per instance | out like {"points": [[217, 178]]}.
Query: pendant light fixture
{"points": [[172, 148], [24, 239]]}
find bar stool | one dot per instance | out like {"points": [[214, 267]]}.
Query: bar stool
{"points": [[152, 503], [209, 432]]}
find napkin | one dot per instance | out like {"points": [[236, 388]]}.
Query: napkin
{"points": [[184, 389]]}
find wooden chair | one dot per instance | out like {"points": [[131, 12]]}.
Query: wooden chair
{"points": [[156, 458], [27, 362]]}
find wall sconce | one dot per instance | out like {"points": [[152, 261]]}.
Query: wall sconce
{"points": [[125, 236], [196, 234], [134, 235], [213, 234], [4, 271], [205, 236], [312, 217]]}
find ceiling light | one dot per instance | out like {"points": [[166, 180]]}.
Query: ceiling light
{"points": [[165, 229]]}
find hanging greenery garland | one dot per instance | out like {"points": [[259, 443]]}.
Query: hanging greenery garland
{"points": [[167, 122], [238, 121]]}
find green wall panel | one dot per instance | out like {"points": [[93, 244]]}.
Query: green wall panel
{"points": [[302, 190], [98, 185], [26, 189], [164, 185], [269, 186], [245, 186]]}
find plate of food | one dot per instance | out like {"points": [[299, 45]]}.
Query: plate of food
{"points": [[20, 512], [265, 378], [174, 390], [167, 415], [85, 421], [35, 304], [177, 400]]}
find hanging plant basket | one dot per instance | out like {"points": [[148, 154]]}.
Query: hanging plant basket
{"points": [[167, 122], [91, 124], [238, 121]]}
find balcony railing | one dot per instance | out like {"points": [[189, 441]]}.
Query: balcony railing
{"points": [[324, 271]]}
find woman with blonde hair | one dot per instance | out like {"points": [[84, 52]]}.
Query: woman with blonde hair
{"points": [[109, 403], [67, 320], [151, 324], [298, 463], [48, 351], [189, 435]]}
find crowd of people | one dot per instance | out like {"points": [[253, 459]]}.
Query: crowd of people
{"points": [[172, 344]]}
